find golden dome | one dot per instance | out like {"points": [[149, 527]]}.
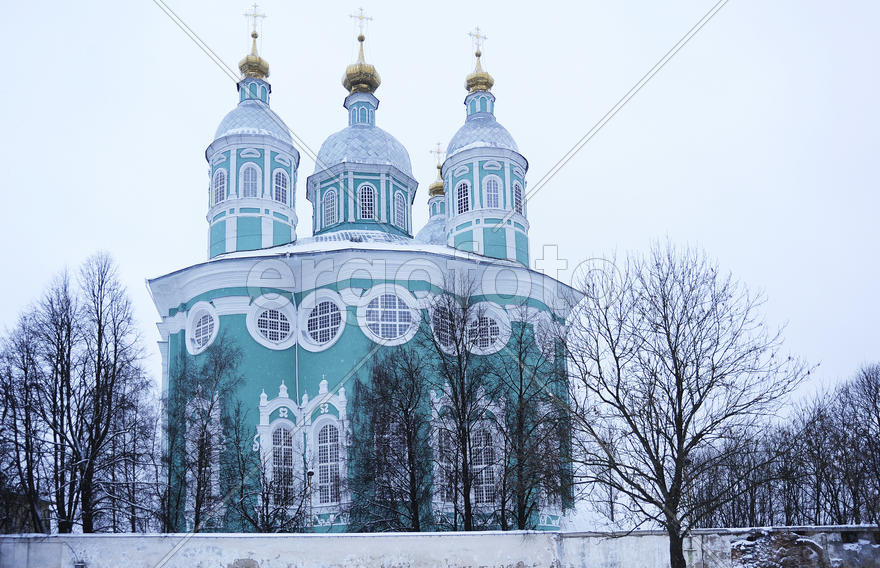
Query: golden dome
{"points": [[253, 65], [479, 80], [361, 76], [436, 187]]}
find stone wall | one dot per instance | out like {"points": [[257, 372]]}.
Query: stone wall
{"points": [[791, 547]]}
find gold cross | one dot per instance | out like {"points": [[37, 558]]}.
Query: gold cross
{"points": [[438, 152], [254, 14], [477, 37], [362, 18]]}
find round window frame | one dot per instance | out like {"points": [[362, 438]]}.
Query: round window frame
{"points": [[305, 309], [272, 302], [193, 316], [501, 317], [402, 294]]}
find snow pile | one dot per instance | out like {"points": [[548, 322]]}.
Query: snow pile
{"points": [[763, 549]]}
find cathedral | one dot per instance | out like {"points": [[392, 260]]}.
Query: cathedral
{"points": [[307, 316]]}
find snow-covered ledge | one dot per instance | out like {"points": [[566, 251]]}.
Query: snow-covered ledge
{"points": [[844, 547]]}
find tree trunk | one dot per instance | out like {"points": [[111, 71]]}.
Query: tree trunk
{"points": [[676, 547]]}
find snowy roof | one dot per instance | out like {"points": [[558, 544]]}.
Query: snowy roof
{"points": [[253, 116], [363, 144], [434, 231], [481, 130]]}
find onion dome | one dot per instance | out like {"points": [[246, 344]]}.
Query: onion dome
{"points": [[479, 80], [253, 65], [360, 76], [436, 188]]}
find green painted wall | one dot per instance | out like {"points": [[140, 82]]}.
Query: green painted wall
{"points": [[495, 242], [249, 233], [522, 248], [280, 233], [218, 238]]}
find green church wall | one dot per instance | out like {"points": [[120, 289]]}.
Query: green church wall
{"points": [[249, 233], [218, 238], [495, 242]]}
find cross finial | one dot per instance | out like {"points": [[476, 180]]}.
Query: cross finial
{"points": [[362, 19], [439, 153], [255, 15], [477, 37]]}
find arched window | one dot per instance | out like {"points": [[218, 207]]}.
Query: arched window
{"points": [[492, 192], [367, 202], [330, 208], [388, 317], [483, 459], [517, 198], [324, 321], [282, 466], [400, 211], [363, 115], [250, 181], [446, 465], [273, 325], [281, 185], [328, 464], [219, 186], [463, 198]]}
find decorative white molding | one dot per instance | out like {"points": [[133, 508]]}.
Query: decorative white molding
{"points": [[401, 293], [272, 302], [193, 315], [309, 303]]}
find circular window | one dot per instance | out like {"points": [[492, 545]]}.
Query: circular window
{"points": [[273, 325], [203, 331], [324, 321], [483, 333], [201, 327], [387, 316], [441, 320]]}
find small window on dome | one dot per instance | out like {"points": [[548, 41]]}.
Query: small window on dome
{"points": [[219, 186], [250, 181], [330, 208], [463, 199], [400, 211], [492, 192], [367, 202], [517, 198], [363, 115], [281, 184]]}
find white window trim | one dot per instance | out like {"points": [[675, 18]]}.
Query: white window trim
{"points": [[361, 216], [501, 317], [287, 197], [500, 186], [272, 302], [316, 426], [436, 304], [305, 309], [192, 317], [327, 193], [402, 198], [522, 199], [456, 197], [218, 173], [244, 167], [403, 294]]}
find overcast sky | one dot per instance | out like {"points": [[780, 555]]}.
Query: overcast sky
{"points": [[757, 142]]}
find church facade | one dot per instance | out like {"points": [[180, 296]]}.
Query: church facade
{"points": [[307, 317]]}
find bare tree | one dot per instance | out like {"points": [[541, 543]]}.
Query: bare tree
{"points": [[22, 433], [532, 397], [464, 382], [390, 483], [670, 360], [263, 499], [201, 394]]}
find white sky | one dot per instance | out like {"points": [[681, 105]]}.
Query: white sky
{"points": [[757, 142]]}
